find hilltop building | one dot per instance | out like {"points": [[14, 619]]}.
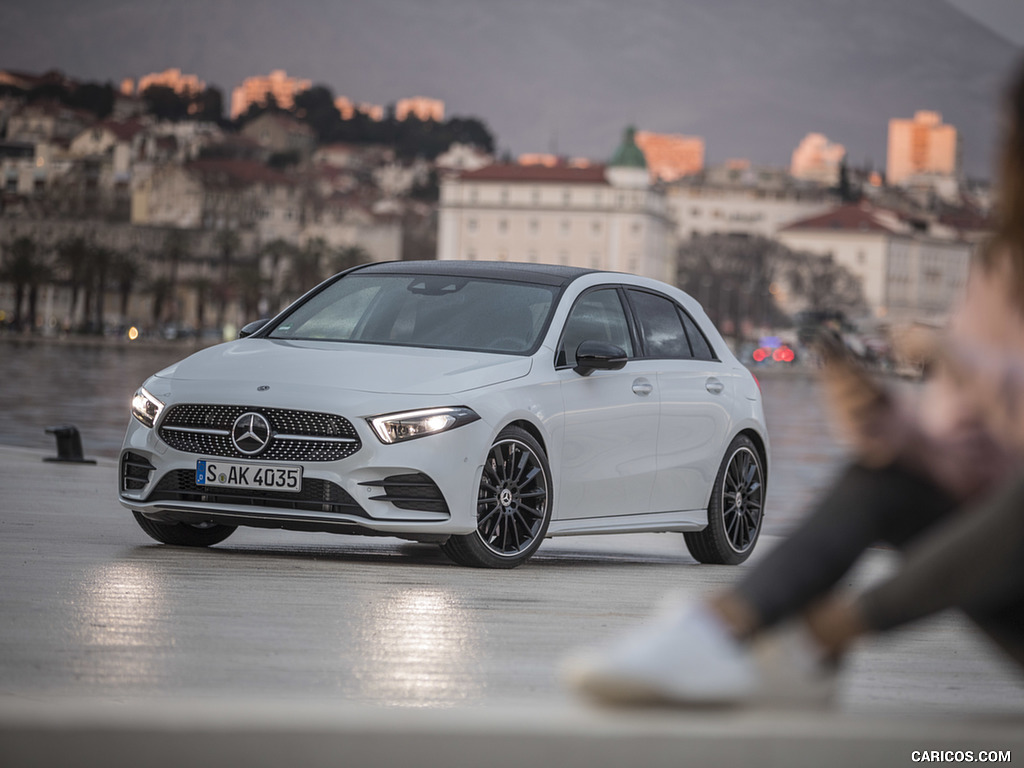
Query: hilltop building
{"points": [[818, 160], [420, 107], [183, 85], [600, 216], [255, 90], [348, 110], [671, 156]]}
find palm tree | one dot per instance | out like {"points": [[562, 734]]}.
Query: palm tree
{"points": [[278, 251], [128, 271], [203, 287], [351, 256], [161, 289], [173, 251], [307, 266], [250, 285], [99, 266], [26, 271], [228, 243], [72, 259]]}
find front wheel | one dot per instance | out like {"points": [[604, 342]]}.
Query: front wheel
{"points": [[513, 505], [736, 508], [183, 534]]}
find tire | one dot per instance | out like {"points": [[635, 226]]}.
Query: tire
{"points": [[736, 509], [183, 534], [513, 507]]}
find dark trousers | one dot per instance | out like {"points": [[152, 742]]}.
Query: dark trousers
{"points": [[970, 558]]}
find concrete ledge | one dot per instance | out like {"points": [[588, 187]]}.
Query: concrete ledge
{"points": [[238, 733]]}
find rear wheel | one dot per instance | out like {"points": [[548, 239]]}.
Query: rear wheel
{"points": [[736, 509], [184, 534], [513, 506]]}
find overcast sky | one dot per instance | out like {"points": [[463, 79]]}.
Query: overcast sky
{"points": [[564, 75], [1005, 17]]}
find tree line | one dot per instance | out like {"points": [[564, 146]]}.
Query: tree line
{"points": [[169, 279], [315, 107]]}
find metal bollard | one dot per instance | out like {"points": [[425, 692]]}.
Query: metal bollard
{"points": [[69, 445]]}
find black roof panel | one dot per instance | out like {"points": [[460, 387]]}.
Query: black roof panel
{"points": [[547, 274]]}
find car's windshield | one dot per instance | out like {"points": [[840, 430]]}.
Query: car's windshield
{"points": [[425, 311]]}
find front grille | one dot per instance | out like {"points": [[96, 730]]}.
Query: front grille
{"points": [[316, 495], [135, 471], [296, 435], [413, 491]]}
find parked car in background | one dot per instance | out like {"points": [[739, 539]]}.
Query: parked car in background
{"points": [[482, 406]]}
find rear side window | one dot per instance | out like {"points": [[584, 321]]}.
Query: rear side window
{"points": [[668, 332]]}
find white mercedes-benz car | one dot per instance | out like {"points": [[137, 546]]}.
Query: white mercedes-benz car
{"points": [[483, 406]]}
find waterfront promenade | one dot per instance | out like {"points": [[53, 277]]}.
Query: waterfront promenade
{"points": [[280, 648]]}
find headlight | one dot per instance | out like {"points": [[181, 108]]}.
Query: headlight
{"points": [[145, 407], [396, 427]]}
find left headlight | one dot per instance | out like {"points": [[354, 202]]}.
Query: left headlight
{"points": [[408, 425], [146, 407]]}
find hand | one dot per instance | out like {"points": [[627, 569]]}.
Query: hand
{"points": [[863, 409]]}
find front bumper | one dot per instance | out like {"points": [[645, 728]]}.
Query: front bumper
{"points": [[422, 488]]}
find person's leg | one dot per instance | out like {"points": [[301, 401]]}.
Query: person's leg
{"points": [[694, 652], [863, 507], [974, 561]]}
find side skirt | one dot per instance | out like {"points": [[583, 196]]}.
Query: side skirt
{"points": [[681, 522]]}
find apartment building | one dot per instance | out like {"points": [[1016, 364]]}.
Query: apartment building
{"points": [[921, 146], [910, 269]]}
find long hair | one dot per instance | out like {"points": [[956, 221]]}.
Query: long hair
{"points": [[1006, 248]]}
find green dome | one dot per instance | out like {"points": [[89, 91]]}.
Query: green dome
{"points": [[628, 154]]}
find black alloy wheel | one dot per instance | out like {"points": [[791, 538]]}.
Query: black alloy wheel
{"points": [[736, 510], [513, 506], [184, 534]]}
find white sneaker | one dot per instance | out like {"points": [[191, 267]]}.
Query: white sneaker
{"points": [[792, 669], [686, 656]]}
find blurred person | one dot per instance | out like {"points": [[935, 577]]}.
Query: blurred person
{"points": [[943, 482]]}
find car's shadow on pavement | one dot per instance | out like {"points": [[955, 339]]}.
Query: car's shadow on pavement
{"points": [[406, 554]]}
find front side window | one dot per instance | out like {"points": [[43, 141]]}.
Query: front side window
{"points": [[661, 327], [596, 316], [436, 311]]}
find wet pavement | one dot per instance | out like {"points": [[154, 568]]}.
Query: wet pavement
{"points": [[310, 645]]}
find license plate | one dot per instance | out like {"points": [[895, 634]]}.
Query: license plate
{"points": [[227, 474]]}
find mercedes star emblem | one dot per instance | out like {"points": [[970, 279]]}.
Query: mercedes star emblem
{"points": [[250, 433]]}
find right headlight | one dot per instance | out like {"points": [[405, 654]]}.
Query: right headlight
{"points": [[409, 425], [146, 407]]}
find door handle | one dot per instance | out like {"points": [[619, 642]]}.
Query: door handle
{"points": [[714, 386], [642, 387]]}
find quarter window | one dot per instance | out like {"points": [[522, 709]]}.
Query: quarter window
{"points": [[698, 341]]}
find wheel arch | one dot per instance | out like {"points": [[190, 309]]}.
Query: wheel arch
{"points": [[762, 450], [534, 431]]}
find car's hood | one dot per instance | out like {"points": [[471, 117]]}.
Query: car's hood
{"points": [[357, 367]]}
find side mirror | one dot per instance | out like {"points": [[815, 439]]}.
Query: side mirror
{"points": [[250, 328], [599, 356]]}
